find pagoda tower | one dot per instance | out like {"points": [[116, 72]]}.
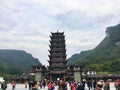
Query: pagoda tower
{"points": [[57, 58]]}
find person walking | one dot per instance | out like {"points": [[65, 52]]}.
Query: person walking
{"points": [[89, 84], [80, 86], [3, 86], [49, 85], [13, 85], [34, 85], [73, 86], [26, 84], [116, 84], [106, 86], [99, 85], [94, 84]]}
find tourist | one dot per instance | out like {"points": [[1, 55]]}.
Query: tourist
{"points": [[94, 84], [30, 84], [89, 84], [40, 84], [83, 82], [44, 83], [80, 86], [116, 84], [107, 86], [26, 84], [34, 85], [60, 84], [3, 86], [99, 85], [68, 85], [49, 85], [73, 86], [52, 85], [13, 85], [63, 85]]}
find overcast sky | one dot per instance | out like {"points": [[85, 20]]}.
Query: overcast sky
{"points": [[27, 24]]}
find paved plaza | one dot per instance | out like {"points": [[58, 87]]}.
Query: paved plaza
{"points": [[22, 87]]}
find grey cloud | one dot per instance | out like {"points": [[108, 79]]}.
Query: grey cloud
{"points": [[28, 23], [80, 20]]}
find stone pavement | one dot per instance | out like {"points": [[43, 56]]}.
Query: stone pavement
{"points": [[22, 87]]}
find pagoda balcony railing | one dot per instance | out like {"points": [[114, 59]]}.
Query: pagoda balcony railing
{"points": [[58, 44], [57, 34], [57, 47], [58, 38], [61, 37], [58, 60], [57, 41], [63, 61], [57, 50], [57, 57], [60, 71], [58, 54], [58, 65]]}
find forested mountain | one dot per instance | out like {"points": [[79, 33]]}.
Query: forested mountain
{"points": [[105, 58], [16, 61]]}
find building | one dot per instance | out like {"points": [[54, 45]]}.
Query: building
{"points": [[40, 72], [26, 76], [57, 68], [57, 58], [74, 73]]}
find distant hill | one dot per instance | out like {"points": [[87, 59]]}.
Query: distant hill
{"points": [[16, 61], [105, 58]]}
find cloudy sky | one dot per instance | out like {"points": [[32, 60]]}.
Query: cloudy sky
{"points": [[26, 24]]}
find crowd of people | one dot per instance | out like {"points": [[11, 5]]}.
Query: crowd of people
{"points": [[65, 85], [73, 85]]}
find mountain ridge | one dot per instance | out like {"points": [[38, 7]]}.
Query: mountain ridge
{"points": [[104, 56], [16, 61]]}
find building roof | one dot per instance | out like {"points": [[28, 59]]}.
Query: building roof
{"points": [[57, 33], [38, 65]]}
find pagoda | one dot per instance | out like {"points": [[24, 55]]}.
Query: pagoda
{"points": [[57, 58]]}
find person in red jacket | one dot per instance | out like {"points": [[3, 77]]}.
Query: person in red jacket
{"points": [[49, 85], [73, 86], [116, 84]]}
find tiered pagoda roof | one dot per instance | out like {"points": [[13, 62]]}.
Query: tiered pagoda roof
{"points": [[57, 58]]}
